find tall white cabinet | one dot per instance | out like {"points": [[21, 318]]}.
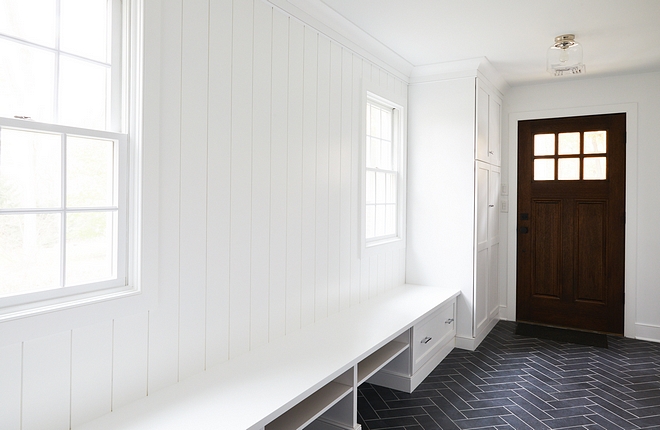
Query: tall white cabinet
{"points": [[453, 195]]}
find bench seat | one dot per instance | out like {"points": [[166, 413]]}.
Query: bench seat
{"points": [[254, 389]]}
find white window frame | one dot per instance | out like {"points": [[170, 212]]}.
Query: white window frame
{"points": [[127, 293], [384, 98]]}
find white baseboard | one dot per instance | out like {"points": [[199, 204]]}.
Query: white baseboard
{"points": [[471, 343], [648, 332]]}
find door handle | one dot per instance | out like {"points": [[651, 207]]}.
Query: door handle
{"points": [[523, 230]]}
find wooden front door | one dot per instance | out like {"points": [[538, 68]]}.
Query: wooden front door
{"points": [[571, 221]]}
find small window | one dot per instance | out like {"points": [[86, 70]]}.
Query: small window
{"points": [[64, 168], [570, 156], [383, 172]]}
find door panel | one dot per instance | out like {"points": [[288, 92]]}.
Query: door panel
{"points": [[547, 244], [571, 222]]}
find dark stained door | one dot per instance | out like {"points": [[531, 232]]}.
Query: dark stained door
{"points": [[571, 222]]}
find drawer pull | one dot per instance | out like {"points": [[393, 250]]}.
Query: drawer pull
{"points": [[426, 339], [449, 321]]}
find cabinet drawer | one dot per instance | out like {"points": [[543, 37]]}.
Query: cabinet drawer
{"points": [[432, 333]]}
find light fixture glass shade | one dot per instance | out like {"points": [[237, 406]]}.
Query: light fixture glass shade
{"points": [[565, 56]]}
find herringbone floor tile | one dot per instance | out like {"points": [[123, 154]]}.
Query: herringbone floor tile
{"points": [[515, 382]]}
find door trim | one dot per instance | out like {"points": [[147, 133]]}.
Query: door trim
{"points": [[508, 310]]}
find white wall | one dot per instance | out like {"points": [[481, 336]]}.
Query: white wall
{"points": [[258, 236], [639, 96]]}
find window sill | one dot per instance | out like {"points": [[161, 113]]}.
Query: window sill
{"points": [[385, 245]]}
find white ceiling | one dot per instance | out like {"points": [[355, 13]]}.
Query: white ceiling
{"points": [[618, 36]]}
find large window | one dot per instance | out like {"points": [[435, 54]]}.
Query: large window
{"points": [[63, 150], [383, 172]]}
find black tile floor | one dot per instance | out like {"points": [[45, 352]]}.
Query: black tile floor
{"points": [[515, 382]]}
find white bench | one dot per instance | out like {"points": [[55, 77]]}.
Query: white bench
{"points": [[308, 378]]}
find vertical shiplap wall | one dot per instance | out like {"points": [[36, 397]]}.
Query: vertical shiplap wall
{"points": [[259, 188]]}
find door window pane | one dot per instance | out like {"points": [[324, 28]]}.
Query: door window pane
{"points": [[544, 144], [89, 247], [595, 168], [569, 143], [90, 172], [544, 169], [568, 169], [29, 253], [30, 169], [595, 142]]}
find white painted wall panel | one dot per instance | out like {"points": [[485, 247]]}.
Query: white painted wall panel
{"points": [[11, 366], [278, 176], [164, 320], [261, 175], [91, 372], [310, 77], [345, 227], [356, 133], [294, 177], [194, 117], [47, 383], [334, 179], [322, 173], [129, 359], [241, 178], [219, 182]]}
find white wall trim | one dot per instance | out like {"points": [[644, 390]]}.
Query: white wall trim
{"points": [[630, 310], [472, 67], [648, 332]]}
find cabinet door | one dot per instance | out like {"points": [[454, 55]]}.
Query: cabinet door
{"points": [[493, 241], [488, 125], [482, 123], [482, 215], [494, 134]]}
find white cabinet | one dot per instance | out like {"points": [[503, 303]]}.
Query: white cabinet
{"points": [[487, 240], [431, 340], [453, 196], [488, 118]]}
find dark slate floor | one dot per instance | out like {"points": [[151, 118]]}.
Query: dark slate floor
{"points": [[517, 382]]}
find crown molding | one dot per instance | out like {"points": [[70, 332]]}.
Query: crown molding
{"points": [[471, 67], [321, 17]]}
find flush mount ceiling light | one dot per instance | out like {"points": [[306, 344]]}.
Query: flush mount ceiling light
{"points": [[565, 56]]}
